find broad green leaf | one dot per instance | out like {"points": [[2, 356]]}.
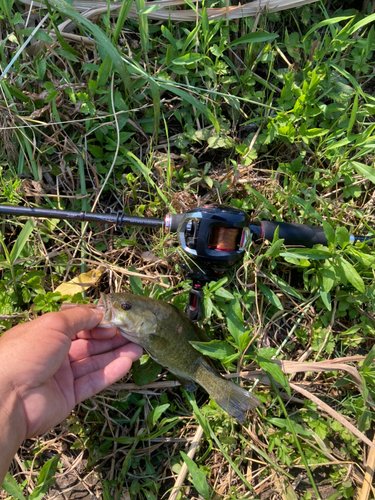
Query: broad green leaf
{"points": [[21, 240], [327, 277], [156, 413], [220, 141], [364, 258], [274, 249], [339, 144], [329, 233], [326, 298], [192, 36], [364, 422], [215, 349], [188, 58], [168, 35], [12, 488], [282, 423], [43, 36], [283, 285], [256, 37], [46, 478], [351, 79], [351, 274], [135, 282], [316, 132], [270, 296], [235, 321], [198, 477], [146, 372], [213, 286], [365, 170], [148, 494], [208, 306], [5, 264], [342, 236], [308, 253], [275, 372], [352, 330], [224, 294]]}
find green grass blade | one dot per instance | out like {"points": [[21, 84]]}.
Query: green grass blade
{"points": [[256, 37], [64, 8], [296, 440], [194, 102], [21, 240], [123, 14], [327, 22], [12, 488]]}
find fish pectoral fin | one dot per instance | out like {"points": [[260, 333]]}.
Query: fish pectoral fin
{"points": [[159, 346], [157, 340]]}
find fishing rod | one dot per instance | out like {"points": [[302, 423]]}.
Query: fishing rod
{"points": [[213, 236]]}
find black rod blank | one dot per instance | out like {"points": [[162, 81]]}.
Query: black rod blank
{"points": [[117, 218]]}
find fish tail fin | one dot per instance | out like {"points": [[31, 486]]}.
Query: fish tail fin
{"points": [[229, 396]]}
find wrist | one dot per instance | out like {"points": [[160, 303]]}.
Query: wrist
{"points": [[12, 428]]}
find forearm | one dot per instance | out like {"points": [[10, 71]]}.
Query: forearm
{"points": [[11, 430]]}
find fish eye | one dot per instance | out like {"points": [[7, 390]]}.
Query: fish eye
{"points": [[125, 306]]}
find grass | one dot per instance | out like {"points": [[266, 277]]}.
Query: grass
{"points": [[272, 114]]}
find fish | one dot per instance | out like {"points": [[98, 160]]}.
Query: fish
{"points": [[165, 333]]}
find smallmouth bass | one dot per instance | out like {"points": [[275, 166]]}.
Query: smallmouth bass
{"points": [[165, 333]]}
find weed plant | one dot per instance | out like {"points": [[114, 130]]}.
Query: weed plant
{"points": [[273, 115]]}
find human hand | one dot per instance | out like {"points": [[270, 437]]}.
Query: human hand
{"points": [[50, 364]]}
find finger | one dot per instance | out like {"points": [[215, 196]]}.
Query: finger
{"points": [[91, 384], [97, 333], [84, 348], [74, 320], [95, 363]]}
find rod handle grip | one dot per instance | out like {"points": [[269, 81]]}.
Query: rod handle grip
{"points": [[291, 233]]}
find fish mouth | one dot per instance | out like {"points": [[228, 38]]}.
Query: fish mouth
{"points": [[104, 305]]}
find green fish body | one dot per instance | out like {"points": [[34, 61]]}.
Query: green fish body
{"points": [[165, 333]]}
